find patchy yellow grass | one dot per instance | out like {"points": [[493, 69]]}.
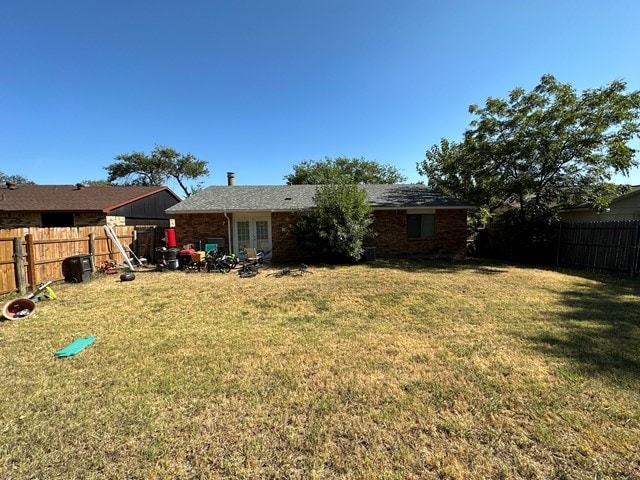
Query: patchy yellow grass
{"points": [[392, 370]]}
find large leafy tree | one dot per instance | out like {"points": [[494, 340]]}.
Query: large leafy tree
{"points": [[156, 168], [17, 179], [342, 169], [97, 183], [339, 224], [536, 152]]}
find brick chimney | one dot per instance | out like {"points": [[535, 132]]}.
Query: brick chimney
{"points": [[231, 179]]}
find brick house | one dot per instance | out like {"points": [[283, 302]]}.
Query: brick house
{"points": [[77, 205], [408, 219]]}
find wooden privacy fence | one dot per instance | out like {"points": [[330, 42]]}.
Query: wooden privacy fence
{"points": [[30, 256], [607, 246]]}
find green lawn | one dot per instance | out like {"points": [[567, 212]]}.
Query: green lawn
{"points": [[395, 370]]}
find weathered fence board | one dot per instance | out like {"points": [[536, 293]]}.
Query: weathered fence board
{"points": [[605, 246], [7, 265], [44, 249], [147, 238]]}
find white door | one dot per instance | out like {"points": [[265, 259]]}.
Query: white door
{"points": [[252, 233]]}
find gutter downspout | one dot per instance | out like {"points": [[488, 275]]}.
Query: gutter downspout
{"points": [[229, 231]]}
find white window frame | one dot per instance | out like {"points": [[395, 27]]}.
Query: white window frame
{"points": [[252, 218]]}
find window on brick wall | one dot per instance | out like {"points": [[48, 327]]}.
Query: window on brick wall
{"points": [[421, 225]]}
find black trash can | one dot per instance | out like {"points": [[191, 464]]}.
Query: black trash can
{"points": [[167, 258], [77, 269], [171, 257]]}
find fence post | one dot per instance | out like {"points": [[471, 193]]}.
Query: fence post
{"points": [[636, 250], [31, 260], [559, 244], [18, 264], [92, 250]]}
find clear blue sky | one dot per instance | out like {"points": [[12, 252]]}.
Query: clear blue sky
{"points": [[257, 86]]}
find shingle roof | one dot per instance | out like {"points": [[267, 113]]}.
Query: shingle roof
{"points": [[293, 197], [70, 198], [410, 196], [633, 191]]}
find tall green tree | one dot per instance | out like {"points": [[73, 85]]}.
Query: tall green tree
{"points": [[156, 168], [339, 224], [17, 179], [97, 183], [536, 152], [342, 169]]}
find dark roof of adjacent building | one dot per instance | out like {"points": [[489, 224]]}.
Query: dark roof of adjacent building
{"points": [[284, 198], [633, 191], [72, 198]]}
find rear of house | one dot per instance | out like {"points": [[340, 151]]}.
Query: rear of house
{"points": [[408, 219]]}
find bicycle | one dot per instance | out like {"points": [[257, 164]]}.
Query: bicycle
{"points": [[261, 259], [293, 272], [232, 259], [248, 270], [221, 263], [252, 264]]}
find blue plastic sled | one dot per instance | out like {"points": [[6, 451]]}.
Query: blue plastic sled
{"points": [[75, 347]]}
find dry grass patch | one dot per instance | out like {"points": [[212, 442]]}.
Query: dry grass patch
{"points": [[384, 370]]}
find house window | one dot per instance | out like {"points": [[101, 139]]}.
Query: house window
{"points": [[57, 219], [243, 234], [422, 225]]}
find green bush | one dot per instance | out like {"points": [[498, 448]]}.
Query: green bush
{"points": [[338, 225]]}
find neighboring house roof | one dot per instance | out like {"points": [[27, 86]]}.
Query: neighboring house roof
{"points": [[633, 191], [285, 198], [72, 198]]}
